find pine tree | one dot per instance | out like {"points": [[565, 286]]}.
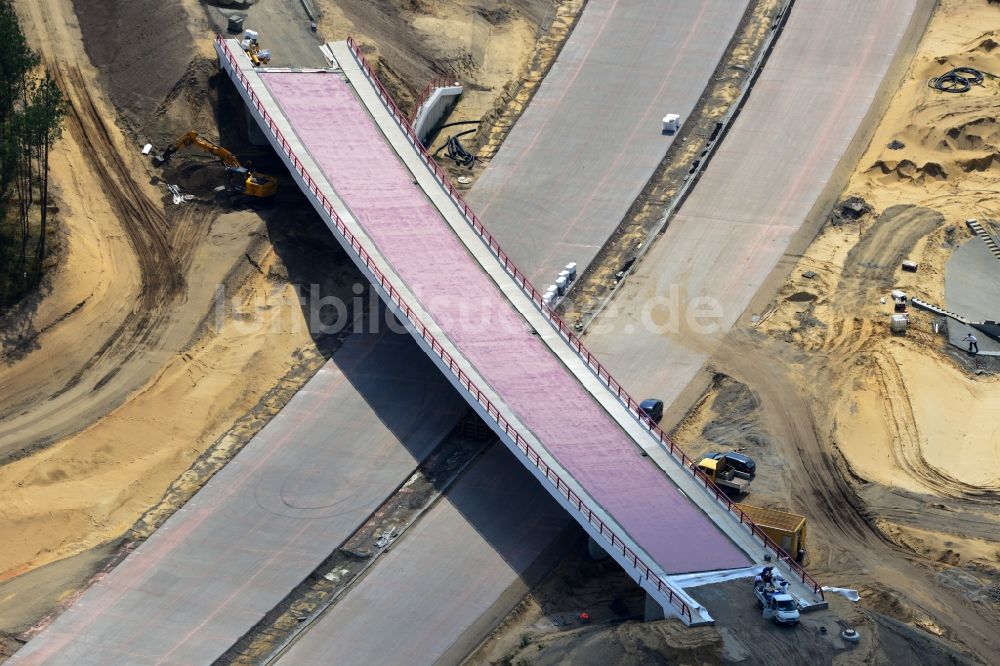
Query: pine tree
{"points": [[31, 114], [48, 107], [16, 63]]}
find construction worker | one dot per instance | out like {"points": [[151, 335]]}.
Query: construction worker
{"points": [[973, 343]]}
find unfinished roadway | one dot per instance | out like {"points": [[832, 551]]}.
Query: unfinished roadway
{"points": [[768, 187], [674, 557], [368, 380], [180, 602], [814, 34], [143, 644], [590, 139]]}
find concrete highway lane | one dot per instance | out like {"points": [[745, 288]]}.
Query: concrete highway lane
{"points": [[266, 520], [560, 184], [756, 193], [426, 599], [345, 442], [591, 137], [200, 583], [734, 228], [792, 135]]}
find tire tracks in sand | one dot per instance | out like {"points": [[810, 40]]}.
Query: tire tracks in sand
{"points": [[905, 434], [136, 278], [848, 548], [144, 221]]}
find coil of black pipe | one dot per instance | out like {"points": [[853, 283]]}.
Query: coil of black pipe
{"points": [[957, 80]]}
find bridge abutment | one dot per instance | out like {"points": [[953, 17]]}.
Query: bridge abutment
{"points": [[594, 550], [653, 610]]}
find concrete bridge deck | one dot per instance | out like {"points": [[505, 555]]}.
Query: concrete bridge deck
{"points": [[484, 325], [83, 641]]}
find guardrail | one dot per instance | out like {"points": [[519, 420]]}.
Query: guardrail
{"points": [[568, 334], [561, 486]]}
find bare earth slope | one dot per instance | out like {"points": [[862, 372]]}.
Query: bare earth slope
{"points": [[126, 369], [106, 371]]}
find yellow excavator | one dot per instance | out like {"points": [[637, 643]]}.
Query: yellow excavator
{"points": [[238, 177]]}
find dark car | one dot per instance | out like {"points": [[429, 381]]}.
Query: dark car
{"points": [[743, 465], [653, 408]]}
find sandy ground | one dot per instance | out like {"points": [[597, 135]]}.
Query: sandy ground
{"points": [[546, 628], [925, 409], [125, 370], [910, 413], [118, 379], [898, 434], [498, 51], [883, 442], [950, 140], [128, 315], [484, 44]]}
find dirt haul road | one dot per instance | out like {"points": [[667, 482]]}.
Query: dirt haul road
{"points": [[43, 391], [110, 391], [123, 372]]}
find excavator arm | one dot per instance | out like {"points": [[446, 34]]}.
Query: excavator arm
{"points": [[193, 138], [249, 182]]}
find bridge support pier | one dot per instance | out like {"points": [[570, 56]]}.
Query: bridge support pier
{"points": [[255, 135], [594, 550], [654, 611]]}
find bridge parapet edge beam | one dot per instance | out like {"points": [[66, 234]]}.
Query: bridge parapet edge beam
{"points": [[376, 269]]}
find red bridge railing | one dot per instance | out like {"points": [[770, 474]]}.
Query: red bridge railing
{"points": [[463, 378], [435, 83], [562, 487], [565, 331]]}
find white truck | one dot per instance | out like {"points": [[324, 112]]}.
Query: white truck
{"points": [[776, 603]]}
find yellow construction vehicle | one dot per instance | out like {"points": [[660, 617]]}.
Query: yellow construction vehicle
{"points": [[723, 475], [238, 177]]}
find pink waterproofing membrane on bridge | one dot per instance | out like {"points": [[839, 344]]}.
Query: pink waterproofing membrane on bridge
{"points": [[411, 234]]}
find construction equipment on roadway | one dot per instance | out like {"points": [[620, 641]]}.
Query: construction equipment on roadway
{"points": [[238, 177], [723, 475], [788, 530], [777, 605], [899, 300], [653, 408], [671, 123], [257, 55]]}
